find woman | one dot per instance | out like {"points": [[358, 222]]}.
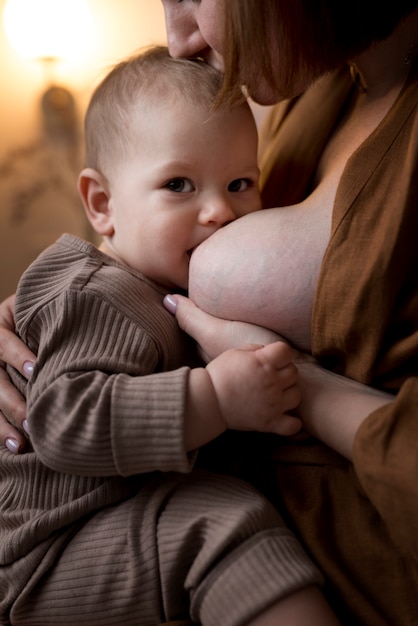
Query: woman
{"points": [[344, 155]]}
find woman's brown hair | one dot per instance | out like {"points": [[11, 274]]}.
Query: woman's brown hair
{"points": [[290, 43]]}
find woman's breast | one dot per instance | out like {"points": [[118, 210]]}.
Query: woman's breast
{"points": [[263, 268]]}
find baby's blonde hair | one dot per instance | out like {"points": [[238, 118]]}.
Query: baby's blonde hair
{"points": [[151, 76]]}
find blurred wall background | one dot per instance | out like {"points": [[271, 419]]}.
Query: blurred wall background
{"points": [[38, 171], [39, 166]]}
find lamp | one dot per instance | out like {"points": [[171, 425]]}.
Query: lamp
{"points": [[50, 31]]}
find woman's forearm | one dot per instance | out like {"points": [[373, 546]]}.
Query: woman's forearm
{"points": [[333, 407]]}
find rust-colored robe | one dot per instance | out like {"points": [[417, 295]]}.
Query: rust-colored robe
{"points": [[360, 520]]}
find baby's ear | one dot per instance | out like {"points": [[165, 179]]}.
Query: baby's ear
{"points": [[94, 192]]}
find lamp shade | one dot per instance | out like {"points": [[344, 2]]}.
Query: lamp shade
{"points": [[48, 29]]}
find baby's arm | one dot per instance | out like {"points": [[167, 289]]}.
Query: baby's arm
{"points": [[251, 388]]}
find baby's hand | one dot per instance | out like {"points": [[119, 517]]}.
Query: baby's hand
{"points": [[255, 387]]}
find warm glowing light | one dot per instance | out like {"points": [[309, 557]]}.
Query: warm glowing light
{"points": [[58, 29]]}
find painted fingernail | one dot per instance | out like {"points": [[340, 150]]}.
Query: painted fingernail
{"points": [[12, 445], [25, 426], [170, 303], [28, 367]]}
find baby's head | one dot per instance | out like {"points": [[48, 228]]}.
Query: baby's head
{"points": [[165, 167], [149, 79]]}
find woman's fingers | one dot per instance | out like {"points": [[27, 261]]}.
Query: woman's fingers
{"points": [[12, 404], [12, 350], [12, 415], [212, 334]]}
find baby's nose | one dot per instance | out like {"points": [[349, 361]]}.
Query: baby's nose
{"points": [[217, 211]]}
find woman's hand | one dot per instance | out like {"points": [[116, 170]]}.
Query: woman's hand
{"points": [[332, 407], [12, 406], [212, 334]]}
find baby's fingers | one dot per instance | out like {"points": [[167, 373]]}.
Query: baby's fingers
{"points": [[287, 425], [276, 355], [276, 358], [291, 395]]}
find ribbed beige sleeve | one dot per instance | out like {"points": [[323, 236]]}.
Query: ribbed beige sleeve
{"points": [[99, 402]]}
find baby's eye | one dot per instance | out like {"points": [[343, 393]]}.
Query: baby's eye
{"points": [[179, 185], [240, 184]]}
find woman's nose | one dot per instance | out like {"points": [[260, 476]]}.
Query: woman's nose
{"points": [[184, 38], [191, 47]]}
